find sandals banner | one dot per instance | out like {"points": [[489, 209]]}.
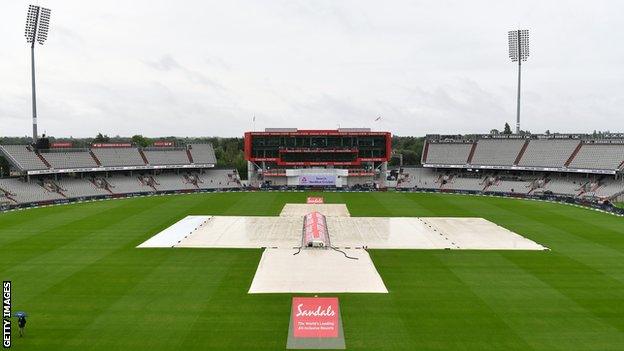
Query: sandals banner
{"points": [[315, 323]]}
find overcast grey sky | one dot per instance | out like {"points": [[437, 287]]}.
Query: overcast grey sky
{"points": [[203, 68]]}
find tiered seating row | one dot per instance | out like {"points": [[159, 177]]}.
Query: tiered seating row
{"points": [[448, 153], [167, 157], [203, 153], [548, 153], [572, 185], [599, 156], [118, 157], [24, 192], [67, 160], [539, 153], [494, 152], [26, 159]]}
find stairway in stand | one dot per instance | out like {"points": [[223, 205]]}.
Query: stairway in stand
{"points": [[45, 162]]}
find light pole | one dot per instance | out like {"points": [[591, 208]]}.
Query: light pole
{"points": [[37, 24], [518, 52]]}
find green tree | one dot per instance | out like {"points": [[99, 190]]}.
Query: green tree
{"points": [[101, 138], [410, 147], [507, 129], [141, 140]]}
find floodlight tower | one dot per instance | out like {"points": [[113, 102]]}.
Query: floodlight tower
{"points": [[518, 52], [37, 24]]}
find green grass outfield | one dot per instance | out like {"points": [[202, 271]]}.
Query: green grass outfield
{"points": [[76, 271]]}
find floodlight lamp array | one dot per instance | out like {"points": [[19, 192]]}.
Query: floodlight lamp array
{"points": [[37, 24], [518, 45]]}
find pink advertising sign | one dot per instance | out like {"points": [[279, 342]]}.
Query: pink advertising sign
{"points": [[315, 323], [315, 317], [315, 200]]}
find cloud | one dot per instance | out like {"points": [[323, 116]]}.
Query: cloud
{"points": [[167, 63], [68, 37], [326, 12], [218, 63], [205, 67]]}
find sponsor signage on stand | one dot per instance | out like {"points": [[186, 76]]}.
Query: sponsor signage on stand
{"points": [[317, 179], [61, 145], [105, 145], [163, 143]]}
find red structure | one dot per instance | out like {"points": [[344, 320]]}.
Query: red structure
{"points": [[317, 158], [318, 147]]}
